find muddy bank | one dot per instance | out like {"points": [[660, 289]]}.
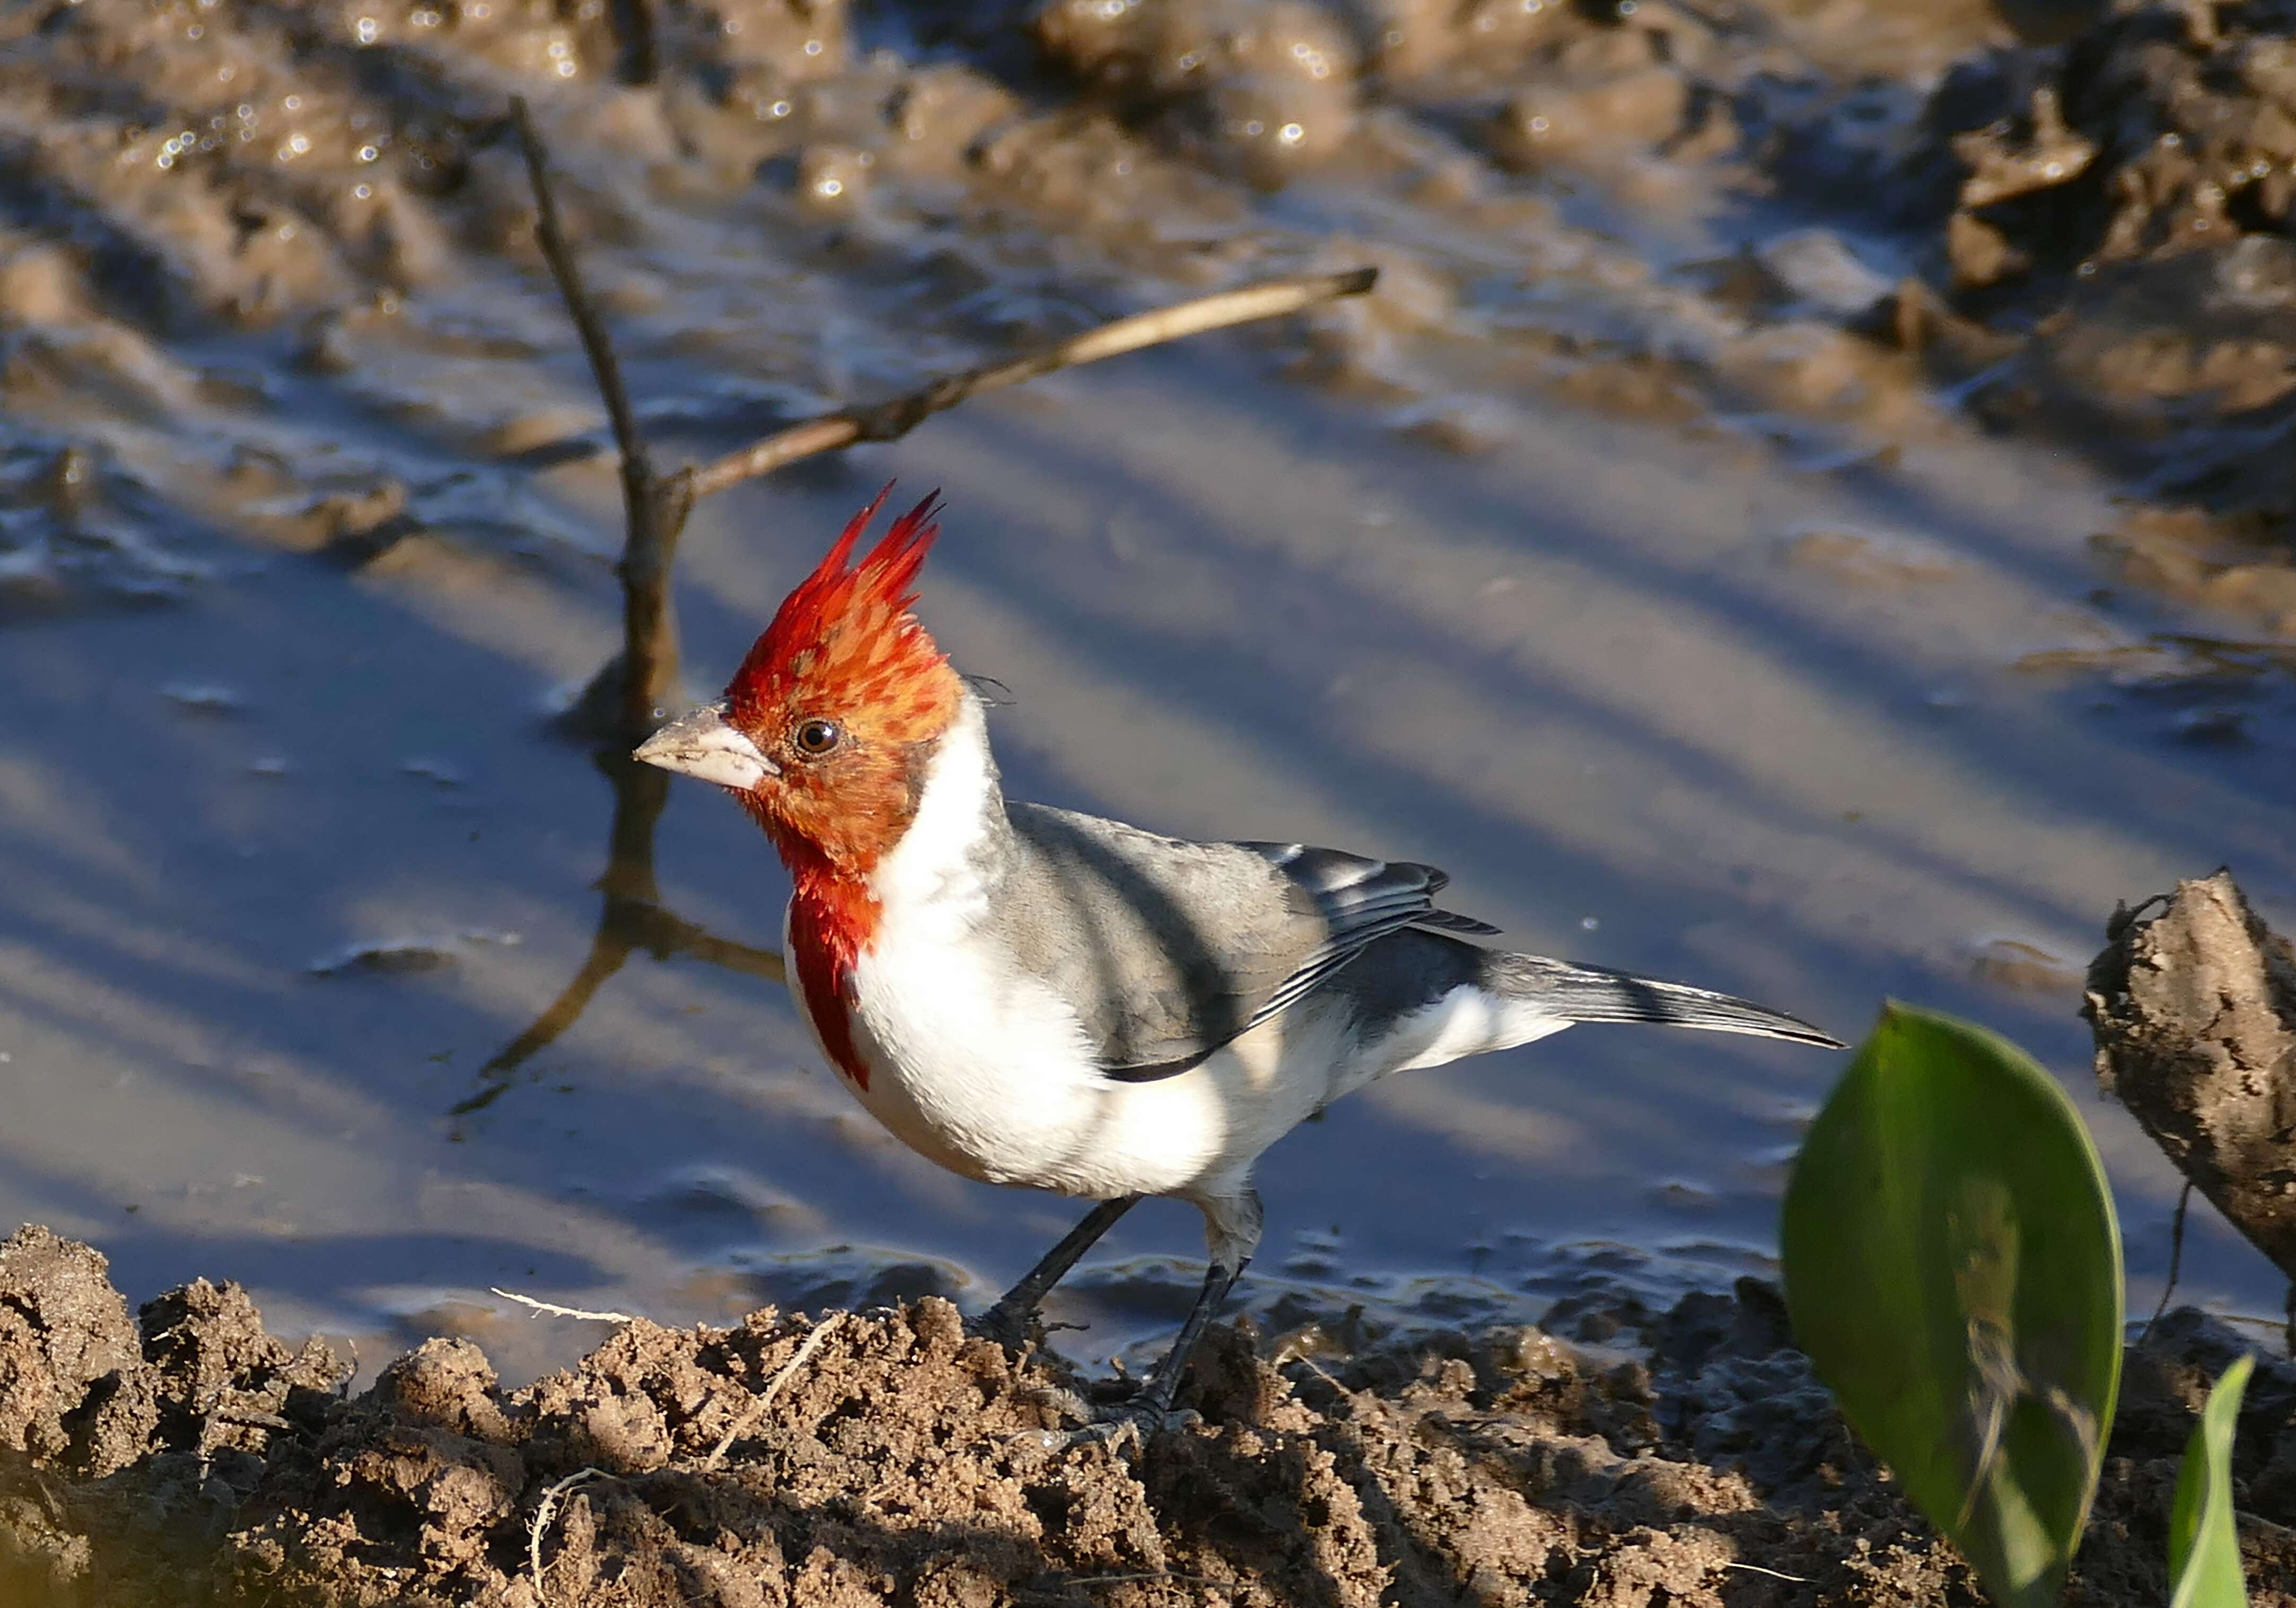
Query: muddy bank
{"points": [[1615, 1455], [2111, 265]]}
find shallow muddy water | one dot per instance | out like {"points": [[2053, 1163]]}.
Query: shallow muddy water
{"points": [[1692, 631]]}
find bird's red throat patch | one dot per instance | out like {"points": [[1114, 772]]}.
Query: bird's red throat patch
{"points": [[832, 920]]}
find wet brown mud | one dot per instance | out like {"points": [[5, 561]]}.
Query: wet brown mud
{"points": [[1614, 1456], [2107, 268]]}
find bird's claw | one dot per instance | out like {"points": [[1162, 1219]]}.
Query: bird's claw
{"points": [[1124, 1426]]}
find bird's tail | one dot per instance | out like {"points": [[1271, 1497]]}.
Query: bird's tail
{"points": [[1561, 992]]}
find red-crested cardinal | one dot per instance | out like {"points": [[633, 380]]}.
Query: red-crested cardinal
{"points": [[1029, 996]]}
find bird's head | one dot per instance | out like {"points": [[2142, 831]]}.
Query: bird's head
{"points": [[825, 731]]}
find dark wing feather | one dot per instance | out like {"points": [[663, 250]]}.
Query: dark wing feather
{"points": [[1361, 900]]}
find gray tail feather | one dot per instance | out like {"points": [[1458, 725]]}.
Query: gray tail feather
{"points": [[1591, 994]]}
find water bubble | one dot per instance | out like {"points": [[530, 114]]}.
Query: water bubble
{"points": [[829, 186], [363, 191], [813, 47], [368, 153], [367, 30], [1291, 133], [1589, 923]]}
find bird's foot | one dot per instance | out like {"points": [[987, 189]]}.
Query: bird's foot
{"points": [[1125, 1425]]}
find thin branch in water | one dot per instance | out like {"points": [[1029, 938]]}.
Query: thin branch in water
{"points": [[890, 421], [654, 510], [2176, 1259], [741, 1426], [631, 918], [551, 1308]]}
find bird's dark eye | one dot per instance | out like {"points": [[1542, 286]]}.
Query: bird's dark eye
{"points": [[816, 738]]}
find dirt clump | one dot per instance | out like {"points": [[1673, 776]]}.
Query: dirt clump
{"points": [[1614, 1455], [2194, 1011]]}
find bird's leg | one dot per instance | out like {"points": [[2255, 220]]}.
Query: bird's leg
{"points": [[1163, 1386], [1007, 1322], [1231, 1233]]}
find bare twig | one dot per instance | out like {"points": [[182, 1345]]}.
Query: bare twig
{"points": [[2176, 1259], [888, 421], [756, 1409], [553, 1309], [547, 1510], [654, 509], [1776, 1574]]}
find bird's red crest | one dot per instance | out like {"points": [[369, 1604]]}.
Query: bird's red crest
{"points": [[846, 631]]}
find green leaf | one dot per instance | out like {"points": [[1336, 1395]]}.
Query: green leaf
{"points": [[2203, 1546], [1953, 1268]]}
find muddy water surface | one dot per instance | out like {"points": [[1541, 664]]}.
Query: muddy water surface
{"points": [[1612, 555]]}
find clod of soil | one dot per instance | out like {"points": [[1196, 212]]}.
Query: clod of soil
{"points": [[2194, 1011], [1614, 1457]]}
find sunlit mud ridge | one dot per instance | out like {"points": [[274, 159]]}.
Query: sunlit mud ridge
{"points": [[1612, 1455]]}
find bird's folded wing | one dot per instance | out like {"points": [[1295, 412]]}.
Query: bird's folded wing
{"points": [[1169, 949]]}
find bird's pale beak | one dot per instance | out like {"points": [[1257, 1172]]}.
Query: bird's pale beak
{"points": [[701, 744]]}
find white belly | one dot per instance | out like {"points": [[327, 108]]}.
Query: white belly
{"points": [[992, 1077]]}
